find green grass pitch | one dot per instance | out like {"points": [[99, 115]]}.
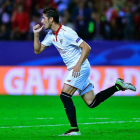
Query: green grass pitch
{"points": [[44, 118]]}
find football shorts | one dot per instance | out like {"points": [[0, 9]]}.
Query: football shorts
{"points": [[82, 82]]}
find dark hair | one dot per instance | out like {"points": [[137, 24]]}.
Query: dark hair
{"points": [[52, 12]]}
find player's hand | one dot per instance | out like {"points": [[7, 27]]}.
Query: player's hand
{"points": [[76, 71], [37, 29]]}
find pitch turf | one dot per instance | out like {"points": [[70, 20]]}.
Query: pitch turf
{"points": [[43, 118]]}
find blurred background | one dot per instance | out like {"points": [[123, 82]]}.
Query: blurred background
{"points": [[91, 19], [110, 27]]}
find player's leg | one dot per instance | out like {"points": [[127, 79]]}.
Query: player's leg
{"points": [[69, 107], [71, 84], [88, 97], [93, 101]]}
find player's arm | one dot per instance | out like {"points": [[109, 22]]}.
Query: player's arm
{"points": [[38, 47], [75, 40], [85, 52]]}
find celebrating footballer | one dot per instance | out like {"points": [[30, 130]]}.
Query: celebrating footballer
{"points": [[74, 52]]}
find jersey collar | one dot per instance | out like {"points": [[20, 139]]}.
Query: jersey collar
{"points": [[55, 33]]}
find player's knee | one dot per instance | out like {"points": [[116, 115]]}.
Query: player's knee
{"points": [[90, 106], [89, 103], [94, 104]]}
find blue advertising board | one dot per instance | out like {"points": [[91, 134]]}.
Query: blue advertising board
{"points": [[107, 53]]}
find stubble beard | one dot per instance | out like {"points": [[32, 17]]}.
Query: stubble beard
{"points": [[49, 27]]}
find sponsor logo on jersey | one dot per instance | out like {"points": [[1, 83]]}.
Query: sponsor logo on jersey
{"points": [[68, 80], [78, 39], [53, 40], [61, 41]]}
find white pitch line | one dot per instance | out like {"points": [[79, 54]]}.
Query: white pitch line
{"points": [[99, 118], [5, 127], [48, 118], [44, 118], [68, 124], [25, 118], [136, 118]]}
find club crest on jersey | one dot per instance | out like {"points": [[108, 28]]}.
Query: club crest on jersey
{"points": [[53, 40], [78, 39], [61, 41]]}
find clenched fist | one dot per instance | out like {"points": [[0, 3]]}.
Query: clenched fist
{"points": [[37, 29]]}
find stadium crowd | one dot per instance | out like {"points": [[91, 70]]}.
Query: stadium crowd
{"points": [[91, 19]]}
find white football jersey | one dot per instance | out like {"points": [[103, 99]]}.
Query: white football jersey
{"points": [[67, 43]]}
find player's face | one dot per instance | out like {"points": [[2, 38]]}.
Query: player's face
{"points": [[46, 22]]}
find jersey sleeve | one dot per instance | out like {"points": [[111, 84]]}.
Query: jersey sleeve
{"points": [[47, 40], [73, 38]]}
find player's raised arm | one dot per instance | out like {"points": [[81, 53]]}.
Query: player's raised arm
{"points": [[38, 47]]}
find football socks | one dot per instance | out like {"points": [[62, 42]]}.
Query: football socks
{"points": [[69, 108], [103, 95]]}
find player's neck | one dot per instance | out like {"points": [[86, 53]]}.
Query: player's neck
{"points": [[55, 27]]}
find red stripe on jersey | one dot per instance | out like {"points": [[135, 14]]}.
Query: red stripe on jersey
{"points": [[55, 33], [63, 29], [44, 45], [81, 43]]}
